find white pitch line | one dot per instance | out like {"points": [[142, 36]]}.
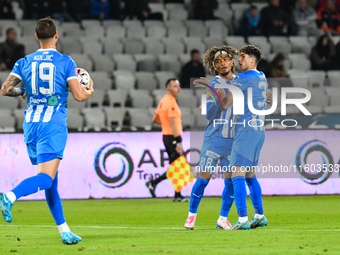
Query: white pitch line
{"points": [[165, 228]]}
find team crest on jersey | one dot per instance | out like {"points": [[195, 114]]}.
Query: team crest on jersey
{"points": [[53, 100], [212, 154]]}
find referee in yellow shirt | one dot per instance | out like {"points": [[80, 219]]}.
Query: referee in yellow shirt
{"points": [[168, 115]]}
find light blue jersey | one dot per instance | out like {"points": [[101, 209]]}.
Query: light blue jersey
{"points": [[218, 121], [45, 74], [258, 82]]}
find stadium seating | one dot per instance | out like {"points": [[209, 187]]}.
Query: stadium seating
{"points": [[96, 100], [124, 79], [140, 98], [115, 117], [112, 46], [169, 62], [102, 62], [139, 118], [94, 119], [153, 46], [125, 62], [146, 80], [173, 46], [7, 123], [75, 121], [117, 97], [146, 62], [143, 55]]}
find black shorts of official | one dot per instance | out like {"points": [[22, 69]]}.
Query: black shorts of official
{"points": [[170, 147]]}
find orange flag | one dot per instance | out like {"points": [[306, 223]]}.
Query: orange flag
{"points": [[180, 174]]}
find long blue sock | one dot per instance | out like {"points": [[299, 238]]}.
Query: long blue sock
{"points": [[32, 185], [54, 202], [197, 194], [240, 194], [255, 194], [227, 197]]}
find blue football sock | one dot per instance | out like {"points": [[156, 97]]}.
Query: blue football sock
{"points": [[255, 194], [197, 194], [227, 197], [54, 202], [32, 185], [240, 194]]}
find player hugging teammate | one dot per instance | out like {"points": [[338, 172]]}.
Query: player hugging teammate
{"points": [[224, 142]]}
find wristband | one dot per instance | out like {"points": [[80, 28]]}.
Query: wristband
{"points": [[22, 91], [178, 139]]}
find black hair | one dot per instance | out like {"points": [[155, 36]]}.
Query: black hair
{"points": [[168, 82], [45, 28], [193, 51], [252, 51]]}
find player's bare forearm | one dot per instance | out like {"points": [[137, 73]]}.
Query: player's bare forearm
{"points": [[9, 89], [173, 127], [156, 119], [226, 102]]}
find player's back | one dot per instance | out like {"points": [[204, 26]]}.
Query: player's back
{"points": [[257, 81], [44, 74], [218, 121]]}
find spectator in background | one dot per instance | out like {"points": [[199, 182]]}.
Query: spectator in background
{"points": [[59, 11], [329, 18], [141, 10], [10, 50], [100, 9], [275, 21], [323, 55], [250, 23], [193, 69], [305, 17], [6, 10], [36, 9], [79, 9], [278, 71], [204, 9], [288, 5], [117, 9], [336, 2]]}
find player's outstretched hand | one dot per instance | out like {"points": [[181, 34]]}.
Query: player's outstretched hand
{"points": [[270, 96], [201, 82], [179, 148]]}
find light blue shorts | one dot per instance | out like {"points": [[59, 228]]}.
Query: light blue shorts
{"points": [[246, 148], [45, 141], [214, 149]]}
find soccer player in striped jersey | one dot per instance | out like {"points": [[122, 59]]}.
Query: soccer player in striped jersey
{"points": [[217, 141], [45, 74]]}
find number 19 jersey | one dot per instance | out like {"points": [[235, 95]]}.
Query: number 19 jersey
{"points": [[44, 74]]}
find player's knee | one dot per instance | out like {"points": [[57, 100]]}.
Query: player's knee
{"points": [[45, 181]]}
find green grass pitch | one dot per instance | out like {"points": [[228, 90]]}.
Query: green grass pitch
{"points": [[297, 225]]}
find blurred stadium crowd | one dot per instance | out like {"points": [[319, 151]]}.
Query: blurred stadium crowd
{"points": [[131, 47]]}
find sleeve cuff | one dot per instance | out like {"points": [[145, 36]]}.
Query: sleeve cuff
{"points": [[72, 77], [16, 75]]}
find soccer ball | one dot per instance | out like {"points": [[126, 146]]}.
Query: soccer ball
{"points": [[83, 77]]}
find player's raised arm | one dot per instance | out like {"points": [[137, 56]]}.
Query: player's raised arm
{"points": [[9, 89], [78, 91]]}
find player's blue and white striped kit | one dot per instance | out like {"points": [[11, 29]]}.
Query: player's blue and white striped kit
{"points": [[250, 135], [45, 74], [218, 136]]}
